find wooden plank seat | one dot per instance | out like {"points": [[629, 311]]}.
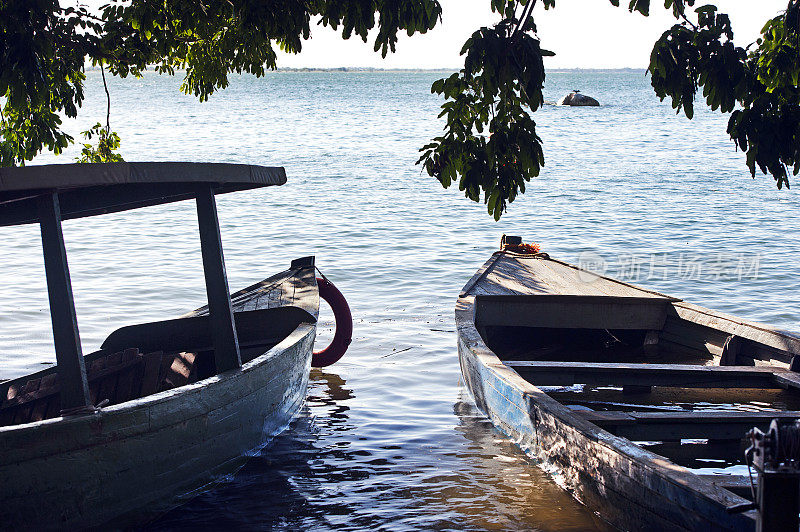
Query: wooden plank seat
{"points": [[571, 311], [113, 373], [658, 426], [116, 377], [546, 373]]}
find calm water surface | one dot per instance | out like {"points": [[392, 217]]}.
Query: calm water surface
{"points": [[389, 438]]}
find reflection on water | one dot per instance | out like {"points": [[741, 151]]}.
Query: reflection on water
{"points": [[279, 488], [327, 473], [505, 481]]}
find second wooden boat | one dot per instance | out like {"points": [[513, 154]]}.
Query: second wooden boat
{"points": [[639, 403]]}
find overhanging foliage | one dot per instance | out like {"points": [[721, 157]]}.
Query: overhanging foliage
{"points": [[489, 145], [502, 79], [758, 87]]}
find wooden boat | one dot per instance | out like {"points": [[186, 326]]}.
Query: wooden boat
{"points": [[162, 408], [624, 394]]}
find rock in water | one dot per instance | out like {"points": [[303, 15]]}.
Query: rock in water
{"points": [[576, 98]]}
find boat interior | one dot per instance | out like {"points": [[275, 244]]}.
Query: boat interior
{"points": [[144, 359], [676, 382]]}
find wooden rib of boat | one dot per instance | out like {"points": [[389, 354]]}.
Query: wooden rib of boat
{"points": [[596, 380], [162, 408]]}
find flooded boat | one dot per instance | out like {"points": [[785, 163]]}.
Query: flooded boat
{"points": [[640, 404], [162, 408]]}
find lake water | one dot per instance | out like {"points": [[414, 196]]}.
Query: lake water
{"points": [[389, 438]]}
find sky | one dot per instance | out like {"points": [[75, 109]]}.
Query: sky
{"points": [[583, 33]]}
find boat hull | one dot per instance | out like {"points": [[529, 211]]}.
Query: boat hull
{"points": [[608, 477], [86, 470], [627, 486]]}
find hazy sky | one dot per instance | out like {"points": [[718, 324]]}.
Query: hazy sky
{"points": [[583, 33]]}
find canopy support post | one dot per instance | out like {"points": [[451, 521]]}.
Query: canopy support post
{"points": [[75, 396], [223, 329]]}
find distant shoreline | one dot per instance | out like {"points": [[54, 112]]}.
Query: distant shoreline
{"points": [[444, 69], [420, 70]]}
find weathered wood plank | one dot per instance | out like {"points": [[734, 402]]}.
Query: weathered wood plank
{"points": [[676, 375], [150, 374], [759, 333], [701, 417], [125, 382], [558, 283], [571, 280], [510, 273], [571, 311], [295, 287], [506, 277], [730, 351], [693, 335], [71, 368], [479, 274], [716, 425], [36, 398], [738, 484], [223, 329]]}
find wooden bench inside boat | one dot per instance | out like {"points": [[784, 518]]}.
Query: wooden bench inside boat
{"points": [[571, 311], [712, 425], [557, 373], [662, 425], [255, 329], [610, 329], [119, 373]]}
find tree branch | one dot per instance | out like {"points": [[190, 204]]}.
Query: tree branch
{"points": [[108, 99], [689, 22], [525, 14]]}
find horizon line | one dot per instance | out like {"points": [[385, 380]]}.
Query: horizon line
{"points": [[411, 69]]}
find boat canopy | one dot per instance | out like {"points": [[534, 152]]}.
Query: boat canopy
{"points": [[100, 188], [49, 193]]}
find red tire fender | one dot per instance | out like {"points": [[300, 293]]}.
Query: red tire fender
{"points": [[344, 325]]}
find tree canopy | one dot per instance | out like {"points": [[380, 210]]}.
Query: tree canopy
{"points": [[44, 48], [489, 145]]}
